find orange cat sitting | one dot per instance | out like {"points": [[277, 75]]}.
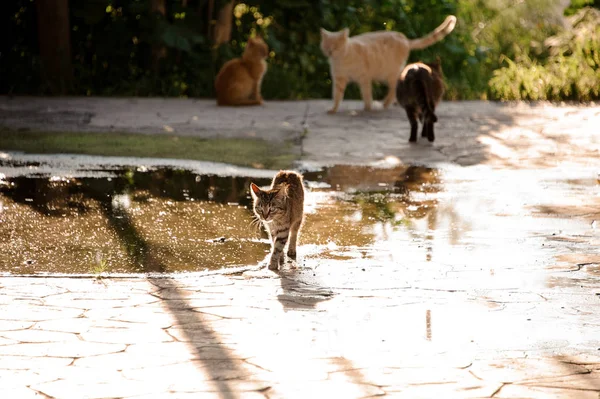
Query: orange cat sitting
{"points": [[238, 82]]}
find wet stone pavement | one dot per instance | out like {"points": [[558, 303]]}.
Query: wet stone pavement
{"points": [[472, 273]]}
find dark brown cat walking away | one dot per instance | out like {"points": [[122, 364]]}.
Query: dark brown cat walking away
{"points": [[281, 210], [239, 80], [419, 91]]}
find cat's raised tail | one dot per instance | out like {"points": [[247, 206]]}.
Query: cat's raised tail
{"points": [[438, 34]]}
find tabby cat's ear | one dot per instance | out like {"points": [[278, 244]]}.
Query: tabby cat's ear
{"points": [[346, 32], [255, 189], [324, 33]]}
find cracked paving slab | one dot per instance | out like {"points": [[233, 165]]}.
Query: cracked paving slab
{"points": [[350, 349], [500, 302]]}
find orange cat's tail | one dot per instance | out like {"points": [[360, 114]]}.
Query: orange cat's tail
{"points": [[438, 34]]}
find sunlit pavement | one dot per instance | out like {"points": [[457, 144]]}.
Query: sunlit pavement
{"points": [[484, 283]]}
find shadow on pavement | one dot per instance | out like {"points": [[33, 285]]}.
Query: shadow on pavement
{"points": [[191, 322], [300, 292]]}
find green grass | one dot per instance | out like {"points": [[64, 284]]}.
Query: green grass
{"points": [[244, 152]]}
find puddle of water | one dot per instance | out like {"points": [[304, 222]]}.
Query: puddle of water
{"points": [[168, 220], [136, 221], [467, 223]]}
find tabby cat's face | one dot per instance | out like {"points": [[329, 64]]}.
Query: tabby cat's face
{"points": [[332, 42], [268, 204]]}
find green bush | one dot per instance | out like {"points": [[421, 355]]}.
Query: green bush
{"points": [[570, 72], [497, 50], [299, 70]]}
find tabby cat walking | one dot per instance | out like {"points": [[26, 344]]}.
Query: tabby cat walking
{"points": [[281, 210], [378, 56], [239, 80]]}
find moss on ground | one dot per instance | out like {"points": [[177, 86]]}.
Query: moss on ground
{"points": [[244, 152]]}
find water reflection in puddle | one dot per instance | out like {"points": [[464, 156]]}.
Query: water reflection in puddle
{"points": [[167, 220], [137, 221], [354, 207]]}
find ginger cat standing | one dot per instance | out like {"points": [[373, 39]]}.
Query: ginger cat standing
{"points": [[239, 80], [378, 56], [419, 91], [281, 209]]}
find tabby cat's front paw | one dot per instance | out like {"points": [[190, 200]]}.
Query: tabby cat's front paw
{"points": [[332, 111], [291, 255], [275, 261]]}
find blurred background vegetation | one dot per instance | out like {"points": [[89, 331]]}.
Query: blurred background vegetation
{"points": [[500, 49]]}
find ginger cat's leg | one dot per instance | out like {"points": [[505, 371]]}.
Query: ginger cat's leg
{"points": [[256, 93], [390, 97], [366, 90], [244, 93], [339, 87]]}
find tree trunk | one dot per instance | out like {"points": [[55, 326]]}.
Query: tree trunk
{"points": [[222, 29], [184, 4], [159, 6], [55, 44]]}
